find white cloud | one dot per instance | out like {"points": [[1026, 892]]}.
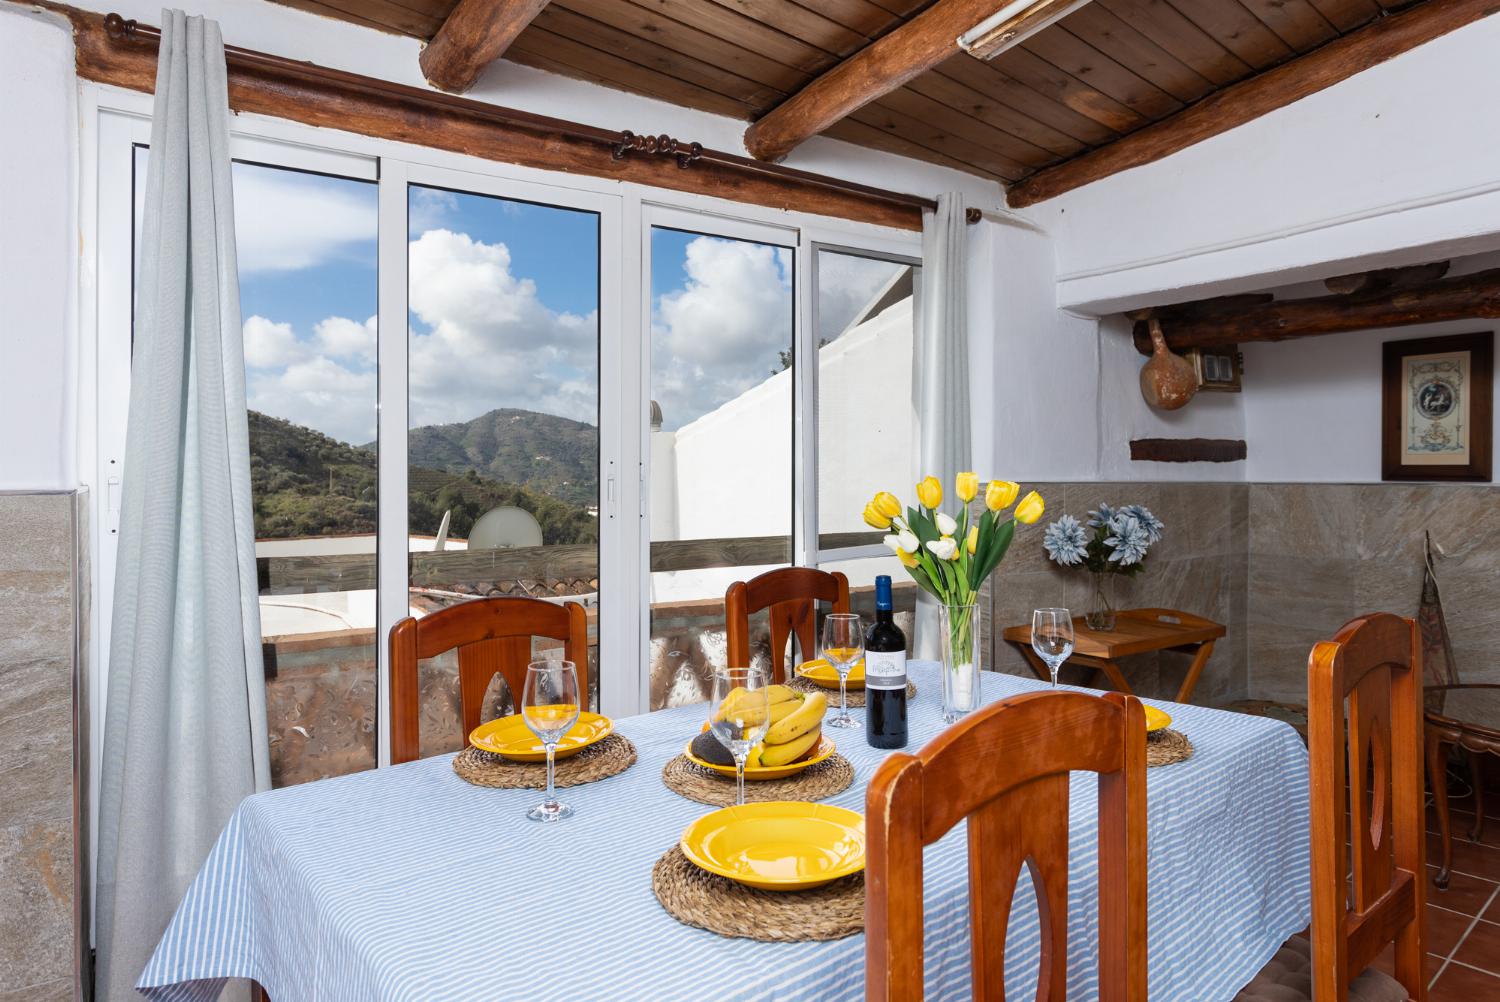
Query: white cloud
{"points": [[430, 208], [269, 344], [490, 342], [285, 220], [340, 337], [720, 333], [318, 393]]}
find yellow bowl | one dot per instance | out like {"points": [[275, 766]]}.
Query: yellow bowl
{"points": [[510, 737], [821, 751], [1156, 719], [820, 672], [779, 845]]}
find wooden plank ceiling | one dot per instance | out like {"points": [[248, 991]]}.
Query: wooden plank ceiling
{"points": [[1103, 72]]}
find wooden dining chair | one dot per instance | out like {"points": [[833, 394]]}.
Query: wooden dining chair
{"points": [[1017, 811], [791, 594], [492, 636], [1364, 900]]}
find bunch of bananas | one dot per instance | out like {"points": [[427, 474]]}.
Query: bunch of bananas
{"points": [[796, 724]]}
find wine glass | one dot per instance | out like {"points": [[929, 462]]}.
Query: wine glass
{"points": [[739, 713], [1052, 637], [843, 644], [549, 705]]}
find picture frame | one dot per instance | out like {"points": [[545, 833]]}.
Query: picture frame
{"points": [[1437, 408]]}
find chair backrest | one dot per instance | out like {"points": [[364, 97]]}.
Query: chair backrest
{"points": [[791, 594], [492, 636], [1375, 663], [1017, 810]]}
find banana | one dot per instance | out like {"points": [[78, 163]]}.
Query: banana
{"points": [[806, 718], [791, 751], [752, 761], [779, 711], [782, 699], [782, 693]]}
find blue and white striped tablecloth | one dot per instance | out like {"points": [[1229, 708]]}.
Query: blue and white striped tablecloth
{"points": [[409, 884]]}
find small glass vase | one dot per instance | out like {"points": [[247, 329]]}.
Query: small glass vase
{"points": [[961, 650], [1101, 614]]}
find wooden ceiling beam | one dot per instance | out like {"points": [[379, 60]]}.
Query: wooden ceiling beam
{"points": [[1248, 100], [869, 74], [1467, 297], [475, 34]]}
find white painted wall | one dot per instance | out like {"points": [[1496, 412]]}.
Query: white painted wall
{"points": [[1393, 165], [38, 248], [1312, 406]]}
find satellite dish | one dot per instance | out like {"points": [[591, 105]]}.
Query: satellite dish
{"points": [[505, 528]]}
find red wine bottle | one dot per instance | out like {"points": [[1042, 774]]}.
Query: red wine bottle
{"points": [[885, 674]]}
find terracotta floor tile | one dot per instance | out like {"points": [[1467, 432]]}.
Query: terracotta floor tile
{"points": [[1468, 857], [1443, 930], [1465, 893], [1386, 962], [1464, 984], [1462, 822], [1481, 947]]}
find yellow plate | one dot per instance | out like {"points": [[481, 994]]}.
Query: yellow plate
{"points": [[779, 845], [510, 737], [820, 672], [1156, 719], [821, 751]]}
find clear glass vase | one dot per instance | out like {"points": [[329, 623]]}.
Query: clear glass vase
{"points": [[1101, 614], [961, 651]]}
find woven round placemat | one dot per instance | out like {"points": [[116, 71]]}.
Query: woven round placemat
{"points": [[1166, 746], [856, 696], [816, 782], [708, 901], [613, 755]]}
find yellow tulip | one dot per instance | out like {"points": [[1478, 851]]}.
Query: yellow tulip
{"points": [[907, 559], [966, 485], [875, 519], [887, 504], [1000, 493], [971, 542], [930, 492], [1030, 508]]}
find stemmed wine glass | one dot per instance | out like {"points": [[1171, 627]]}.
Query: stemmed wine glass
{"points": [[549, 705], [843, 645], [1052, 637], [739, 713]]}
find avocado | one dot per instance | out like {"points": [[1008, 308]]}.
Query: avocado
{"points": [[711, 749]]}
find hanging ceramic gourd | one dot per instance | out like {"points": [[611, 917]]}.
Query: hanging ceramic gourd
{"points": [[1167, 380]]}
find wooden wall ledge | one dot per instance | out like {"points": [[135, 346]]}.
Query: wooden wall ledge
{"points": [[313, 95], [1187, 450]]}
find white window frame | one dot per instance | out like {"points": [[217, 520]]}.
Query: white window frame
{"points": [[111, 116]]}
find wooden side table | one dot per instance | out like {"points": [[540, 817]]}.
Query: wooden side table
{"points": [[1137, 631], [1457, 723]]}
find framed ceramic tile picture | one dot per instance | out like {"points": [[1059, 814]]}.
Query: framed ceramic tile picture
{"points": [[1437, 408]]}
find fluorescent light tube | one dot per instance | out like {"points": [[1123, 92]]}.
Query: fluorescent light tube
{"points": [[1013, 24]]}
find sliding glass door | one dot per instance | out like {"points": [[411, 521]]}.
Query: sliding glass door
{"points": [[720, 463]]}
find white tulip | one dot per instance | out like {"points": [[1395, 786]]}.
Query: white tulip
{"points": [[945, 523], [944, 549], [908, 541], [894, 542]]}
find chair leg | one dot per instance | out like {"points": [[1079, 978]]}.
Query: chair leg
{"points": [[1477, 778], [1437, 777]]}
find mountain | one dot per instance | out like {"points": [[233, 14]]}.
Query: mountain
{"points": [[551, 455], [304, 483]]}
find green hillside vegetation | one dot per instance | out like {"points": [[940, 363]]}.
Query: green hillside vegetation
{"points": [[550, 455], [305, 483]]}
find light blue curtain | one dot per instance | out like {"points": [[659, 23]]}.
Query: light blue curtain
{"points": [[185, 728], [940, 373]]}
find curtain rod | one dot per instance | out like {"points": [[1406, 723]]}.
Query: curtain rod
{"points": [[122, 29]]}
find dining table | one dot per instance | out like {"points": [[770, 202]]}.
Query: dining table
{"points": [[407, 883]]}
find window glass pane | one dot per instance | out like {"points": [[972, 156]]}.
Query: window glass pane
{"points": [[721, 442], [307, 255], [866, 420], [503, 475]]}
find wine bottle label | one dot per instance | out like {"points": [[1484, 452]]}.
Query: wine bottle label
{"points": [[885, 669]]}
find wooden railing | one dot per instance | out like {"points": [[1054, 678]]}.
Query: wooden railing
{"points": [[355, 572]]}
